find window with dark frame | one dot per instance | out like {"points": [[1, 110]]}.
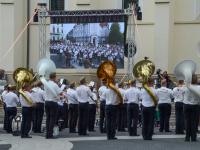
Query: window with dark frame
{"points": [[56, 5]]}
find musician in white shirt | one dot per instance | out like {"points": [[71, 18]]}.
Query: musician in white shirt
{"points": [[191, 101], [84, 93], [178, 93], [122, 113], [133, 96], [27, 111], [102, 123], [148, 111], [4, 105], [73, 107], [38, 96], [51, 106], [165, 96], [112, 102], [92, 107], [11, 100]]}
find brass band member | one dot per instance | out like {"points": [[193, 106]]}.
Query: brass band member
{"points": [[84, 93], [191, 101], [11, 100], [148, 111], [112, 103], [178, 93], [39, 97], [51, 106], [73, 107], [121, 110], [27, 111], [165, 96], [92, 107], [102, 121], [133, 96]]}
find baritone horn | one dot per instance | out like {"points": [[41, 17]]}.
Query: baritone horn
{"points": [[143, 70], [21, 77], [106, 71]]}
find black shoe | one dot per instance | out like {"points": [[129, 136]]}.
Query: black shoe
{"points": [[73, 132], [187, 140], [113, 138], [160, 130], [168, 131], [136, 135], [26, 136]]}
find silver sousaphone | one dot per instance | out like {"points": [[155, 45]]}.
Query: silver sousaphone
{"points": [[184, 71]]}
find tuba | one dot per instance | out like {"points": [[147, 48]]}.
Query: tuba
{"points": [[21, 77], [44, 68], [184, 71], [106, 71], [143, 70]]}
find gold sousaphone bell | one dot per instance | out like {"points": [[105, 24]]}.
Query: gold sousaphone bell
{"points": [[143, 70], [106, 71], [21, 77]]}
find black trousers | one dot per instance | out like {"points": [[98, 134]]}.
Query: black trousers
{"points": [[191, 114], [83, 111], [92, 116], [111, 120], [5, 116], [11, 112], [125, 122], [179, 117], [165, 112], [121, 118], [65, 113], [102, 121], [133, 115], [198, 117], [60, 117], [38, 112], [51, 109], [27, 113], [73, 117], [147, 122]]}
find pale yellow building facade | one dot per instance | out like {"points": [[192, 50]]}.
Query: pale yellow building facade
{"points": [[168, 33]]}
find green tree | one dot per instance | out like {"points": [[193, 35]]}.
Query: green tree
{"points": [[115, 36]]}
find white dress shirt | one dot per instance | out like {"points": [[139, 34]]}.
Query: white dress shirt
{"points": [[189, 97], [49, 96], [102, 89], [133, 95], [84, 93], [11, 99], [72, 96], [3, 94], [122, 91], [146, 98], [165, 95], [111, 97], [178, 93], [38, 95], [93, 99], [23, 101]]}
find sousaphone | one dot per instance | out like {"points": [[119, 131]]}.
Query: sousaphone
{"points": [[106, 71], [143, 70]]}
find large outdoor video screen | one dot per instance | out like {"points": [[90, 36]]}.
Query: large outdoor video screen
{"points": [[86, 45]]}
